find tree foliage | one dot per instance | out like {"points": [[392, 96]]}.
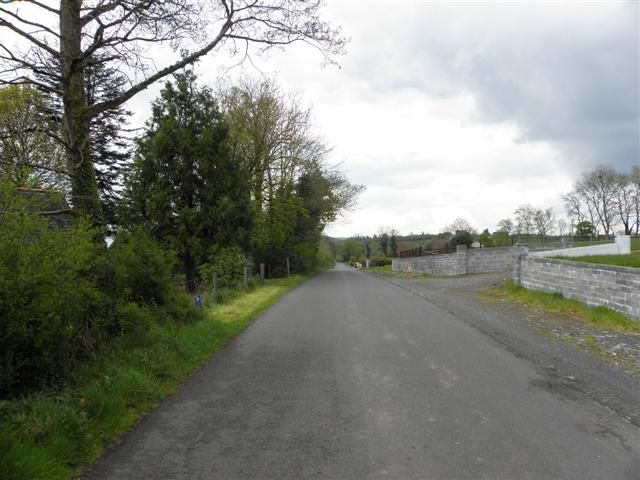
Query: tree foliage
{"points": [[63, 40], [185, 186], [294, 192]]}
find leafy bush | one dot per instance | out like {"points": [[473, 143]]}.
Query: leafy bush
{"points": [[304, 259], [62, 298], [134, 321], [326, 257], [180, 307], [380, 261], [139, 269], [51, 312], [461, 238], [228, 264]]}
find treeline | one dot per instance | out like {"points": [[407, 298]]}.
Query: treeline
{"points": [[606, 199], [218, 181], [602, 202]]}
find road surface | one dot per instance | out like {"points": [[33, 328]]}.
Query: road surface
{"points": [[352, 377]]}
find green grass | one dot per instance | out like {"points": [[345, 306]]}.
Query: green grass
{"points": [[635, 243], [56, 435], [601, 317], [384, 268], [632, 260]]}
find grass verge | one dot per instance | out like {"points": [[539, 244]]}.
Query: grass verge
{"points": [[56, 435], [382, 269], [554, 302], [632, 260]]}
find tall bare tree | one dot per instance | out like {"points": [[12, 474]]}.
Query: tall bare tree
{"points": [[623, 202], [543, 221], [575, 207], [563, 227], [525, 219], [60, 40], [460, 225], [598, 188], [506, 226]]}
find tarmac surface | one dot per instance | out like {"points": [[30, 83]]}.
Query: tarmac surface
{"points": [[352, 376]]}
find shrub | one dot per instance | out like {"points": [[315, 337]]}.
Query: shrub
{"points": [[133, 321], [180, 307], [139, 269], [228, 264], [326, 258], [380, 261], [461, 238], [51, 312]]}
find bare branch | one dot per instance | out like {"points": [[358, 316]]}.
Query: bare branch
{"points": [[44, 7], [106, 105], [29, 22], [28, 36]]}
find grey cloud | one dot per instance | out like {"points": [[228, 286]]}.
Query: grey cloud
{"points": [[571, 84]]}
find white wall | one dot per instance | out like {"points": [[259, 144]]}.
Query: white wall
{"points": [[622, 246]]}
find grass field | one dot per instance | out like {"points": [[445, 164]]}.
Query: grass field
{"points": [[632, 260], [55, 435], [556, 303]]}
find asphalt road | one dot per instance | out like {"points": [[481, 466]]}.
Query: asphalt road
{"points": [[352, 377]]}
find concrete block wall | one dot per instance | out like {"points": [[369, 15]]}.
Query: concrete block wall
{"points": [[483, 260], [474, 260], [441, 265], [617, 288]]}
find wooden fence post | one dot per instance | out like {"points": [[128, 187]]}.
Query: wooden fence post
{"points": [[262, 271]]}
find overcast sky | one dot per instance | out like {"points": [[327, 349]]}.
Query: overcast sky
{"points": [[447, 109], [465, 109]]}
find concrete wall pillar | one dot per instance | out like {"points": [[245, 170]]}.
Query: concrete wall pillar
{"points": [[461, 260], [519, 255], [623, 242]]}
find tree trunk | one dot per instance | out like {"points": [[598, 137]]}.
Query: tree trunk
{"points": [[190, 272], [84, 189]]}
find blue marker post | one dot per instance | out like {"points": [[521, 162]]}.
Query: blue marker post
{"points": [[198, 301]]}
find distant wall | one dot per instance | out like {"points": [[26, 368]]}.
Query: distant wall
{"points": [[474, 260], [617, 288], [441, 265], [621, 246], [499, 259]]}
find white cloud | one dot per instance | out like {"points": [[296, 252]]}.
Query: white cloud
{"points": [[461, 109], [447, 109]]}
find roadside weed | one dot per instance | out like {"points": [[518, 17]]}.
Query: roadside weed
{"points": [[556, 303]]}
